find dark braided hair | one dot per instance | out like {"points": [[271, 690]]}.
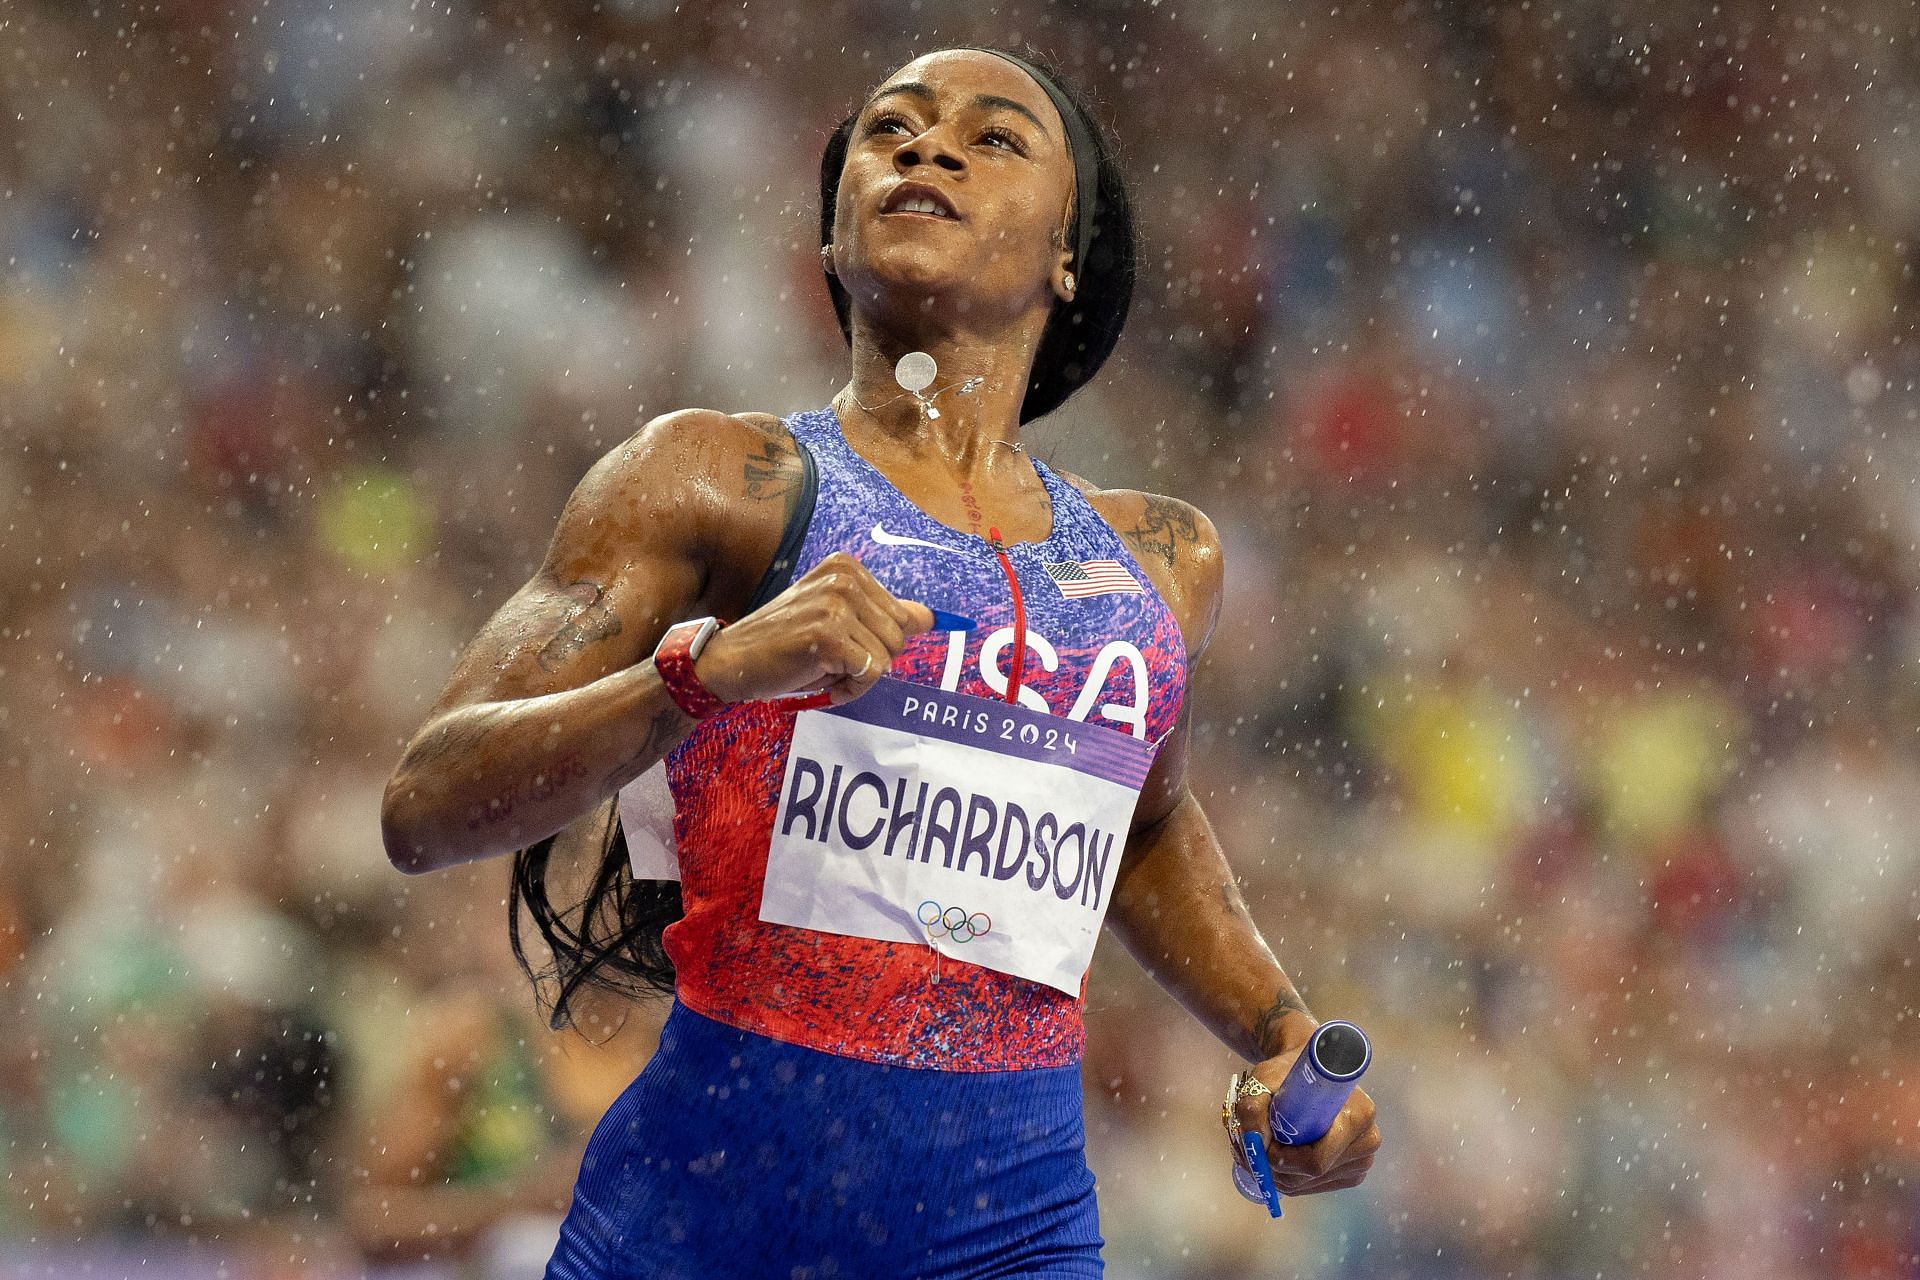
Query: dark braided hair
{"points": [[611, 938]]}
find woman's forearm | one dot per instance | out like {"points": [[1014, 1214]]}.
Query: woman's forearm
{"points": [[494, 777], [1180, 913]]}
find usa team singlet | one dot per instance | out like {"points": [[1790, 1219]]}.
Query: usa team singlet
{"points": [[871, 1065]]}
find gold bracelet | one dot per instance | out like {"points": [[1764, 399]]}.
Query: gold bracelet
{"points": [[1229, 1119], [1243, 1085]]}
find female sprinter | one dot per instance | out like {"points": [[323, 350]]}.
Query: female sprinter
{"points": [[888, 892]]}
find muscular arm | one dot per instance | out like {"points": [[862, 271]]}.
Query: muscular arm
{"points": [[1179, 910], [1177, 906], [555, 705]]}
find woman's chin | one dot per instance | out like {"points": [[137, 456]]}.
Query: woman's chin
{"points": [[906, 285], [916, 280]]}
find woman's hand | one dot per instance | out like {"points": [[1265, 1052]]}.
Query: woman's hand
{"points": [[1339, 1160], [835, 629]]}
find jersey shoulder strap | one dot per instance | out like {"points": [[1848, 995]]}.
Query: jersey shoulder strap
{"points": [[780, 572]]}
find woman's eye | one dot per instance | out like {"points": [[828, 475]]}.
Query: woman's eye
{"points": [[1010, 141]]}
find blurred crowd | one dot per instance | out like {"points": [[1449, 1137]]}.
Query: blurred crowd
{"points": [[1550, 371]]}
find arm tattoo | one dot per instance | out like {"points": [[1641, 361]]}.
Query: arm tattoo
{"points": [[551, 778], [1266, 1028], [468, 736], [1163, 525], [771, 473], [664, 732], [592, 622]]}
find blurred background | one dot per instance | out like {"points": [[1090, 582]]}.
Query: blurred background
{"points": [[1550, 371]]}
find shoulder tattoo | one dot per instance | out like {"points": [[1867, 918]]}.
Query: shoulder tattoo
{"points": [[770, 473], [1164, 525]]}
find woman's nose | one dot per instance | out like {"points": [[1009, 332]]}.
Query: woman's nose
{"points": [[929, 148]]}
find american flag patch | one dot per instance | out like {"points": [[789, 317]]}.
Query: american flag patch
{"points": [[1078, 579]]}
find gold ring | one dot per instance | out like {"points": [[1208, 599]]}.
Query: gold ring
{"points": [[1251, 1087]]}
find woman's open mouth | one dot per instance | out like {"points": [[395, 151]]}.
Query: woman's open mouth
{"points": [[919, 199]]}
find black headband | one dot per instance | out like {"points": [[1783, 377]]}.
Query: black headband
{"points": [[1086, 182]]}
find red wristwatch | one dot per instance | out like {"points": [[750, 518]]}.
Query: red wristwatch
{"points": [[673, 658]]}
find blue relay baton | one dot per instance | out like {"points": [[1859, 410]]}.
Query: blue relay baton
{"points": [[1305, 1105], [1321, 1081]]}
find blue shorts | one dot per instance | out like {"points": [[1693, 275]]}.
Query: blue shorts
{"points": [[733, 1154]]}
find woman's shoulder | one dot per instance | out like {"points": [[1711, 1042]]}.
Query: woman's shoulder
{"points": [[693, 435], [734, 457], [724, 483], [1175, 545]]}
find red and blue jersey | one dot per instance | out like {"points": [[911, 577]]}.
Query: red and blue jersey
{"points": [[1098, 646]]}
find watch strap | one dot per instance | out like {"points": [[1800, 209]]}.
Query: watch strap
{"points": [[673, 660]]}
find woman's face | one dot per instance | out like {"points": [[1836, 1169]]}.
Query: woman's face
{"points": [[976, 133]]}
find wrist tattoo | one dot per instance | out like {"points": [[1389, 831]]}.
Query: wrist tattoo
{"points": [[1266, 1028]]}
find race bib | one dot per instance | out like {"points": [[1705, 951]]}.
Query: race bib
{"points": [[646, 818], [985, 830]]}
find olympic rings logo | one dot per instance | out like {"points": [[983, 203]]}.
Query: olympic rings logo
{"points": [[953, 922]]}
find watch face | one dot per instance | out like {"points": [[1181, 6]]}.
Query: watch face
{"points": [[707, 627]]}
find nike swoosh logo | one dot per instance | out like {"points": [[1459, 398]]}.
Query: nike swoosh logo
{"points": [[885, 539]]}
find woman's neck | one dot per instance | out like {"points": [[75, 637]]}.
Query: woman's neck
{"points": [[969, 424]]}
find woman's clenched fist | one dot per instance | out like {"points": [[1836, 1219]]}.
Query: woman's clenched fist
{"points": [[835, 628]]}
